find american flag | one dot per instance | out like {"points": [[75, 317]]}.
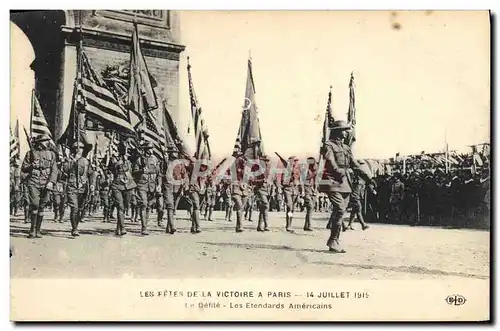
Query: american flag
{"points": [[14, 143], [200, 129], [39, 126], [98, 100], [152, 133]]}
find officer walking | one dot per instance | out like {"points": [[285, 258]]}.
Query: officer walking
{"points": [[339, 159], [40, 165], [308, 190], [239, 189], [147, 174], [168, 195], [262, 190], [291, 190], [122, 186], [81, 181]]}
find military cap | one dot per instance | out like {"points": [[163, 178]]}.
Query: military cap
{"points": [[340, 125], [264, 158]]}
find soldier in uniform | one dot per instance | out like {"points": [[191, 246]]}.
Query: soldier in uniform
{"points": [[239, 189], [210, 199], [168, 194], [147, 177], [194, 195], [261, 190], [249, 205], [358, 191], [122, 187], [291, 190], [308, 191], [339, 159], [228, 203], [396, 198], [41, 167], [105, 191], [81, 181], [15, 184], [59, 192]]}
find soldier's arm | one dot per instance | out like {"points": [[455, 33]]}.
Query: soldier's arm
{"points": [[92, 177], [27, 165], [53, 171], [356, 167]]}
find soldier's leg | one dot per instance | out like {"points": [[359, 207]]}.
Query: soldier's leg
{"points": [[26, 205], [105, 207], [178, 197], [33, 194], [118, 202], [339, 204], [308, 203], [72, 198], [160, 209], [141, 205], [238, 207], [56, 202], [195, 215], [169, 205], [288, 208]]}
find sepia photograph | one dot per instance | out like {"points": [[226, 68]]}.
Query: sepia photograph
{"points": [[191, 165]]}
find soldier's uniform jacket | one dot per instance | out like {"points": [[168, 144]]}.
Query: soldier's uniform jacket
{"points": [[339, 159], [41, 168], [147, 170], [79, 173], [121, 168], [397, 191], [105, 181], [309, 181], [61, 178]]}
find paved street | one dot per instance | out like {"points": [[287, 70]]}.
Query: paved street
{"points": [[381, 252]]}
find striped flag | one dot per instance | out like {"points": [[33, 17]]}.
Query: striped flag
{"points": [[156, 136], [14, 143], [351, 114], [173, 140], [39, 126], [98, 101], [249, 138], [141, 95], [200, 129]]}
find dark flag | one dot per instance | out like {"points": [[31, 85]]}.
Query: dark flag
{"points": [[351, 114], [249, 138], [141, 95], [173, 140], [200, 129]]}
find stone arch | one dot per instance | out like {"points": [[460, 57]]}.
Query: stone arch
{"points": [[43, 29]]}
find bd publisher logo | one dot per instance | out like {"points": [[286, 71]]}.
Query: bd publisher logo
{"points": [[455, 300]]}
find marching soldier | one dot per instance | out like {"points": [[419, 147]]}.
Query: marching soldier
{"points": [[105, 191], [261, 189], [228, 203], [58, 194], [40, 165], [249, 204], [210, 199], [308, 191], [122, 186], [239, 190], [358, 191], [290, 191], [81, 182], [339, 159], [169, 177], [194, 195], [148, 179], [15, 185]]}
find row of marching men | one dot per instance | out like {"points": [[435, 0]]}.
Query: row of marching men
{"points": [[140, 182], [144, 176]]}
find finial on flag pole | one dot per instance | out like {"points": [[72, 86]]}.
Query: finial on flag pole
{"points": [[189, 65], [249, 54]]}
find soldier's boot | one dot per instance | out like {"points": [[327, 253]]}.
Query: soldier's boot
{"points": [[261, 221], [105, 214], [265, 217], [34, 221], [230, 214], [289, 219], [210, 209], [333, 242], [56, 214], [120, 224], [144, 221], [239, 216], [307, 223], [364, 226], [159, 218], [227, 214], [73, 215], [170, 222], [351, 220], [39, 220], [195, 226]]}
